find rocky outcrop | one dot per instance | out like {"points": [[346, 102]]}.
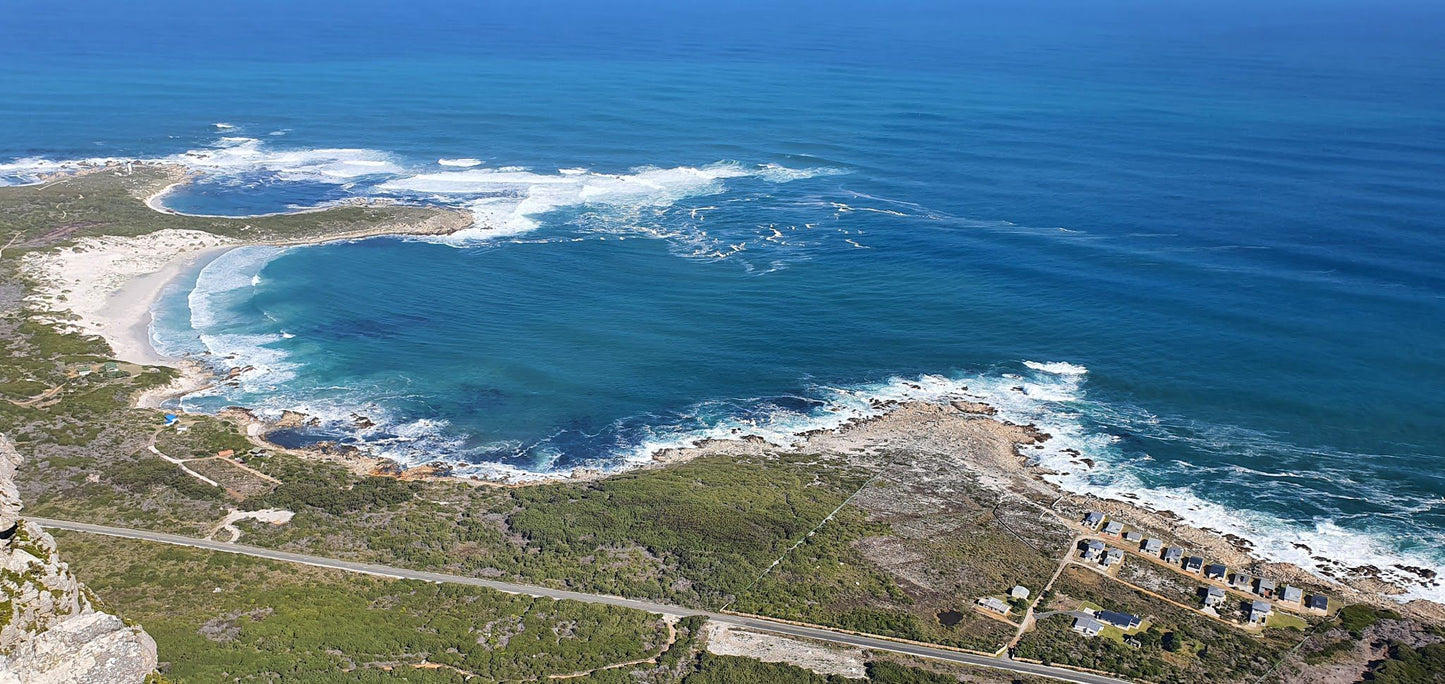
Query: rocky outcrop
{"points": [[50, 631]]}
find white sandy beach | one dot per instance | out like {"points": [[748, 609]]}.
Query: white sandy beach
{"points": [[109, 283]]}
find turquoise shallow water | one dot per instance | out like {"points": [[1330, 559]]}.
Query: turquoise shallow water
{"points": [[1200, 244]]}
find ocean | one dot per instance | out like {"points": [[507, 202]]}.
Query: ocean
{"points": [[1199, 243]]}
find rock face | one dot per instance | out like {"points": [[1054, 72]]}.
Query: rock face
{"points": [[50, 631]]}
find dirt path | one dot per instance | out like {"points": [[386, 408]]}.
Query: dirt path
{"points": [[151, 445], [671, 639]]}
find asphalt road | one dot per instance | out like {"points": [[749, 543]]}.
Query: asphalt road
{"points": [[762, 624]]}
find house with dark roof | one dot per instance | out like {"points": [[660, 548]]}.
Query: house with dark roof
{"points": [[1318, 602], [1093, 519], [1117, 619], [1215, 571], [1193, 564]]}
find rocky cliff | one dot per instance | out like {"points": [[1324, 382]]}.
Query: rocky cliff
{"points": [[50, 631]]}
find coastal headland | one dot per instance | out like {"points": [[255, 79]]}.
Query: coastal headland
{"points": [[898, 524]]}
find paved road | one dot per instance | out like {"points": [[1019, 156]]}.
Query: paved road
{"points": [[868, 642]]}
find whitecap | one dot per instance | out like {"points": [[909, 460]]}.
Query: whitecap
{"points": [[1057, 367]]}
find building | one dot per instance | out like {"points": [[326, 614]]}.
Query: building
{"points": [[1113, 557], [1114, 527], [1241, 581], [1092, 549], [993, 604], [1087, 626], [1193, 563], [1132, 537], [1173, 554], [1120, 620], [1259, 611], [1019, 592], [1213, 596], [1265, 587], [1318, 602], [1291, 594], [1093, 519], [1215, 571], [1152, 546]]}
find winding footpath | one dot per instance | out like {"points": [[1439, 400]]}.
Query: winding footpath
{"points": [[746, 621]]}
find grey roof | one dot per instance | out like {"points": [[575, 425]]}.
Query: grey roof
{"points": [[1020, 591], [1095, 545], [1292, 593], [1087, 625], [1215, 591], [1113, 556], [1133, 536], [1241, 578], [1114, 527], [1153, 545], [1093, 518], [1266, 584], [993, 604], [1260, 607], [1173, 553]]}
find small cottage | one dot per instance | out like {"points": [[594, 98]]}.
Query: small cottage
{"points": [[992, 604]]}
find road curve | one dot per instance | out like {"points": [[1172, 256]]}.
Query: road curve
{"points": [[755, 623]]}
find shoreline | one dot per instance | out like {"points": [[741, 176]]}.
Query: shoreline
{"points": [[110, 283]]}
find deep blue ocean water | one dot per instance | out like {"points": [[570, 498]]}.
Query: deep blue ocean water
{"points": [[1202, 244]]}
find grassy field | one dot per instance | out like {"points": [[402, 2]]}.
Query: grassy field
{"points": [[220, 616]]}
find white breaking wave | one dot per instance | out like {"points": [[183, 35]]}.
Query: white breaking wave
{"points": [[1057, 367], [508, 200], [234, 273], [29, 170], [239, 156], [462, 162]]}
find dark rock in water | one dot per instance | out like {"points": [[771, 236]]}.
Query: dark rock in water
{"points": [[949, 618], [361, 422], [1426, 573], [1088, 462], [1018, 388], [1239, 542], [1302, 547]]}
